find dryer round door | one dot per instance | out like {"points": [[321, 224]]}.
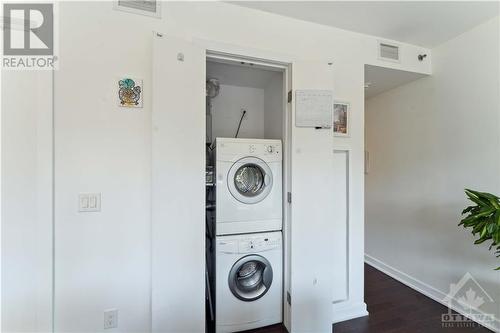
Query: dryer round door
{"points": [[250, 180], [250, 278]]}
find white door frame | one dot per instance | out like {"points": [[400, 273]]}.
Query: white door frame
{"points": [[230, 53]]}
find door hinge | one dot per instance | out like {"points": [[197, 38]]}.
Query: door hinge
{"points": [[290, 96], [288, 298], [289, 197]]}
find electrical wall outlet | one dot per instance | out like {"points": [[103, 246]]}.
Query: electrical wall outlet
{"points": [[110, 318], [89, 202]]}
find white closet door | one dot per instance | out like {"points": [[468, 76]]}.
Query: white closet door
{"points": [[178, 186], [312, 228]]}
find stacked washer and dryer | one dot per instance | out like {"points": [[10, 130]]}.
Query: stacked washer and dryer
{"points": [[248, 240]]}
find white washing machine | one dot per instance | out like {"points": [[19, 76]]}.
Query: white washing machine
{"points": [[248, 281], [249, 185]]}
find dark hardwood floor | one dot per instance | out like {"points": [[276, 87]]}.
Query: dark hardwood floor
{"points": [[396, 308], [269, 329], [393, 308]]}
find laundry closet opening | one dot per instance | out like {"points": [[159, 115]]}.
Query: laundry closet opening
{"points": [[244, 100], [246, 181]]}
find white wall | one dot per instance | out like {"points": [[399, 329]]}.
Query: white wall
{"points": [[26, 202], [428, 140], [259, 91], [264, 117], [273, 106], [103, 260], [227, 110]]}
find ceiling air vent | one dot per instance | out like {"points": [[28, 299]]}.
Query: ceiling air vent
{"points": [[389, 52], [143, 7]]}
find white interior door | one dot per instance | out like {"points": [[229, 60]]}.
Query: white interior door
{"points": [[312, 212], [178, 186]]}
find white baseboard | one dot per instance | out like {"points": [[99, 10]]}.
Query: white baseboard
{"points": [[422, 288], [346, 311]]}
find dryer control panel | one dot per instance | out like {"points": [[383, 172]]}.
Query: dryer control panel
{"points": [[233, 149]]}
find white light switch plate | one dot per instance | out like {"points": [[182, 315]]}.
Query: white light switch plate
{"points": [[89, 202]]}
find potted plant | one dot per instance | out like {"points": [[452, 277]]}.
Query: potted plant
{"points": [[483, 218]]}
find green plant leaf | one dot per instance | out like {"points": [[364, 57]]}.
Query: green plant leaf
{"points": [[468, 209], [473, 217], [475, 198], [483, 218], [484, 231], [479, 227], [496, 237], [492, 199], [480, 241]]}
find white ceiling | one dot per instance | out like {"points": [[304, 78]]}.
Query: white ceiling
{"points": [[380, 79], [240, 75], [424, 23]]}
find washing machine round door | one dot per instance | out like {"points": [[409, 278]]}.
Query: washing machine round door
{"points": [[250, 278], [250, 180]]}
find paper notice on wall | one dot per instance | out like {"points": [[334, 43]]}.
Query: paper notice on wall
{"points": [[314, 108]]}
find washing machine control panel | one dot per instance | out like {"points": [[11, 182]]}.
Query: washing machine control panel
{"points": [[258, 244]]}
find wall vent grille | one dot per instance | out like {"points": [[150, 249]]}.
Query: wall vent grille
{"points": [[389, 52], [143, 7]]}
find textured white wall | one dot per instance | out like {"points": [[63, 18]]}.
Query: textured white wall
{"points": [[428, 140]]}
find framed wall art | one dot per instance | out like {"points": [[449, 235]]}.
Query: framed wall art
{"points": [[129, 92], [341, 118]]}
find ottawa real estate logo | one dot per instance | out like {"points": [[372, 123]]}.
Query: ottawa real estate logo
{"points": [[468, 298], [28, 36]]}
